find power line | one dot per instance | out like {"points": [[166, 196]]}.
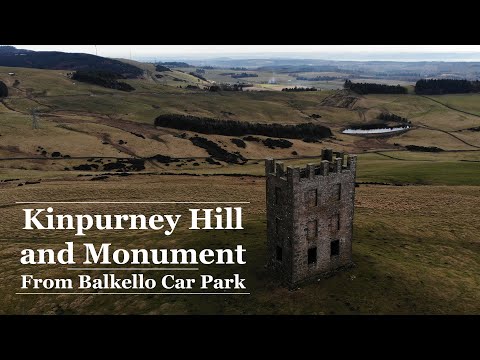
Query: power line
{"points": [[35, 124]]}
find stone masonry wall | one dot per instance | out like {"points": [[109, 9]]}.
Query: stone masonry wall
{"points": [[310, 216]]}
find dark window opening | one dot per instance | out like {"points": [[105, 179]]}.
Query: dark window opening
{"points": [[338, 191], [335, 248], [278, 195], [338, 222], [277, 227], [279, 252], [312, 255]]}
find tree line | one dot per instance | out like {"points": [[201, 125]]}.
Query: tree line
{"points": [[228, 87], [317, 78], [240, 128], [446, 86], [385, 116], [243, 75], [217, 152], [175, 64], [161, 68], [299, 89], [198, 76], [372, 88]]}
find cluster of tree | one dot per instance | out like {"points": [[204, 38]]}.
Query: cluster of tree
{"points": [[206, 125], [163, 159], [296, 89], [102, 78], [3, 89], [239, 142], [372, 88], [192, 87], [317, 78], [423, 148], [171, 64], [123, 165], [446, 86], [217, 152], [274, 143], [198, 76], [68, 61], [227, 87], [200, 71], [161, 68], [243, 75], [385, 116]]}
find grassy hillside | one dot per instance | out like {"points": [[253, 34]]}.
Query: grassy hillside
{"points": [[273, 80], [66, 61], [415, 247], [414, 251], [82, 120]]}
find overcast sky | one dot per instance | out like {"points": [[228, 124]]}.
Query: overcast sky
{"points": [[358, 52]]}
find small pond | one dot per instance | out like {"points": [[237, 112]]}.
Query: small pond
{"points": [[375, 131]]}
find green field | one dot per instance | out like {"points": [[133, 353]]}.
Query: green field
{"points": [[463, 102], [76, 119]]}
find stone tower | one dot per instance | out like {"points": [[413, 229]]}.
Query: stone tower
{"points": [[310, 216]]}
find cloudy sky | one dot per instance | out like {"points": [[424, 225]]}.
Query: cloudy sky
{"points": [[352, 52]]}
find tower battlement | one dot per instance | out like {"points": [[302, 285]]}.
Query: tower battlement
{"points": [[310, 216], [327, 166]]}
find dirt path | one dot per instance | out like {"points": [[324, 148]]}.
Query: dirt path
{"points": [[11, 108]]}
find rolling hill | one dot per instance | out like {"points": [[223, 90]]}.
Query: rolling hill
{"points": [[54, 60], [415, 241], [83, 121]]}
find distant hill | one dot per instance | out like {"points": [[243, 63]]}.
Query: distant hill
{"points": [[7, 49], [54, 60]]}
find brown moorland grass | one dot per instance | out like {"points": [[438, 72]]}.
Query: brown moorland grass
{"points": [[415, 248]]}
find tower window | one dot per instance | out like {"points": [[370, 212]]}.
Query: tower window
{"points": [[277, 227], [312, 196], [337, 221], [335, 248], [278, 195], [279, 253], [338, 191], [312, 230], [312, 255]]}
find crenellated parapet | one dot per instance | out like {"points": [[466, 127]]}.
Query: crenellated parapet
{"points": [[331, 164]]}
